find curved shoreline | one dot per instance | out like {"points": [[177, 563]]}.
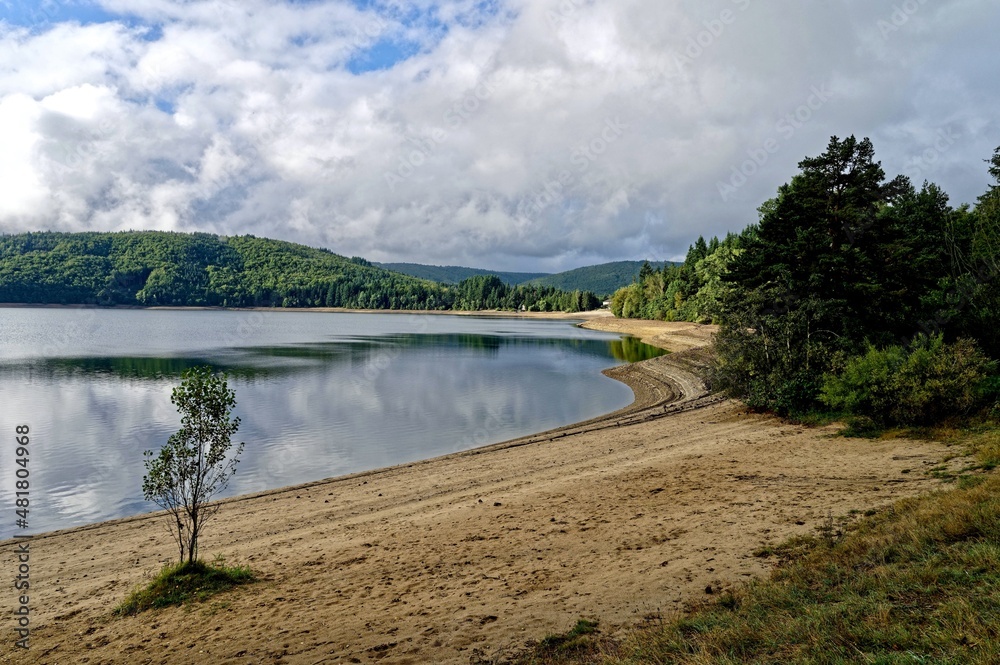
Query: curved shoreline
{"points": [[496, 313], [478, 551], [660, 386]]}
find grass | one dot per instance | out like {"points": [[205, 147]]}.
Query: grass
{"points": [[918, 582], [583, 643], [574, 640], [179, 583]]}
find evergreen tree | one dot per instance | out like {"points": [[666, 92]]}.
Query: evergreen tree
{"points": [[818, 274]]}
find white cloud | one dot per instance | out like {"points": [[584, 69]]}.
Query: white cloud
{"points": [[490, 145], [21, 189]]}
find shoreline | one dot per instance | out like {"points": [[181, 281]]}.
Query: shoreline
{"points": [[649, 394], [613, 519], [495, 313]]}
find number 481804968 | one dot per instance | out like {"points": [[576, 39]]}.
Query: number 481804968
{"points": [[22, 483]]}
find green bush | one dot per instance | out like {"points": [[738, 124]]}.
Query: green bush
{"points": [[989, 392], [866, 386], [923, 384]]}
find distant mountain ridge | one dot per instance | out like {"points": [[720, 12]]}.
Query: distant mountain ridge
{"points": [[603, 279], [455, 274]]}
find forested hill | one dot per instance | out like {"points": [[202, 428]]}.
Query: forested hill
{"points": [[603, 279], [455, 274], [198, 269]]}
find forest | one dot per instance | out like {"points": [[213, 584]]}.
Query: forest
{"points": [[853, 293], [156, 268], [603, 279], [456, 274]]}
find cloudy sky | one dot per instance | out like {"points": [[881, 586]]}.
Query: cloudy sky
{"points": [[508, 134]]}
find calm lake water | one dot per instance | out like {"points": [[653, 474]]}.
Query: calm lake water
{"points": [[318, 394]]}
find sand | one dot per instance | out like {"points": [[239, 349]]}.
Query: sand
{"points": [[615, 519]]}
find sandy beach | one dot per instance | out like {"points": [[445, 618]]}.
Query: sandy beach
{"points": [[615, 519]]}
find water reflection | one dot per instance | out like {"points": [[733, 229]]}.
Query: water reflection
{"points": [[265, 361], [343, 402], [632, 350]]}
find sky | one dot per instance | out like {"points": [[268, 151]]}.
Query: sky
{"points": [[535, 135]]}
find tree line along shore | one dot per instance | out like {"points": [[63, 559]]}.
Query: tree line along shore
{"points": [[854, 294]]}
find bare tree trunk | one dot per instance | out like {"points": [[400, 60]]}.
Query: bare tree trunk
{"points": [[193, 539], [180, 536]]}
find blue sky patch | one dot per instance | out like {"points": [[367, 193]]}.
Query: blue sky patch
{"points": [[166, 105], [390, 50], [30, 13], [383, 54], [43, 15], [484, 12]]}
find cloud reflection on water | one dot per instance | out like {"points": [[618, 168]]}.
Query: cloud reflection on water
{"points": [[308, 410]]}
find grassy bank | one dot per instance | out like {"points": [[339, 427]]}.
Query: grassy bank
{"points": [[916, 583]]}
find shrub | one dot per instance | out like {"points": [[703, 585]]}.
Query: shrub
{"points": [[866, 386], [940, 380], [920, 385], [989, 393]]}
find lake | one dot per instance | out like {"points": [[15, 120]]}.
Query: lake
{"points": [[318, 394]]}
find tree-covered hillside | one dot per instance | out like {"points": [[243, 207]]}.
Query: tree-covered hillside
{"points": [[686, 291], [603, 279], [162, 268], [456, 274]]}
